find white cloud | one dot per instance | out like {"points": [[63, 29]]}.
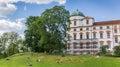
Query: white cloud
{"points": [[7, 6], [9, 26], [35, 1], [44, 1]]}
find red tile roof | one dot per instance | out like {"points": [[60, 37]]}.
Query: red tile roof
{"points": [[107, 22]]}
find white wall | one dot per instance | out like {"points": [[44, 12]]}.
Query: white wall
{"points": [[82, 24]]}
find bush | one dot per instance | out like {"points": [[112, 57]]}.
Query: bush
{"points": [[117, 50], [103, 50]]}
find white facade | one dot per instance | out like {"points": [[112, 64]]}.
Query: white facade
{"points": [[86, 36]]}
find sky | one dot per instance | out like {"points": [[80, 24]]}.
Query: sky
{"points": [[13, 13]]}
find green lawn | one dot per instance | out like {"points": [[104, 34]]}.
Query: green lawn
{"points": [[21, 60]]}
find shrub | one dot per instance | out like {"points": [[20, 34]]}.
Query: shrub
{"points": [[103, 50], [117, 50]]}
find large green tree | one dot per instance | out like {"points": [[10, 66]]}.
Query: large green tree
{"points": [[56, 20], [48, 31], [30, 32]]}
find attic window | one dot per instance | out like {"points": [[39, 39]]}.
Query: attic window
{"points": [[87, 21], [108, 27], [101, 27]]}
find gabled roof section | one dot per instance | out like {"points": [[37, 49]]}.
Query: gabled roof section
{"points": [[87, 18]]}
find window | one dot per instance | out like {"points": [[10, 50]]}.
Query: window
{"points": [[74, 29], [74, 36], [108, 27], [87, 21], [109, 44], [94, 35], [87, 45], [101, 27], [80, 29], [87, 28], [81, 45], [68, 37], [87, 36], [101, 43], [115, 30], [68, 45], [75, 45], [81, 36], [108, 34], [115, 27], [74, 22], [116, 40], [94, 28], [101, 35], [94, 46]]}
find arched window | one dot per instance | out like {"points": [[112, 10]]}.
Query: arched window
{"points": [[101, 43], [94, 28], [80, 29], [94, 35], [87, 45], [116, 39], [108, 27], [115, 30], [109, 44], [74, 22], [101, 27], [101, 34], [81, 36], [69, 45], [108, 34], [87, 21], [75, 45], [74, 29], [87, 35], [74, 36], [81, 45]]}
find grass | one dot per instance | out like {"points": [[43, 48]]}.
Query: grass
{"points": [[21, 60]]}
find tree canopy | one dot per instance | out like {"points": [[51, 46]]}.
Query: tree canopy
{"points": [[9, 43], [48, 31]]}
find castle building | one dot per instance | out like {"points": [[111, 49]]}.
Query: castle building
{"points": [[85, 36]]}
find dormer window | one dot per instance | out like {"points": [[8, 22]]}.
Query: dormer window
{"points": [[101, 27], [108, 27], [87, 21]]}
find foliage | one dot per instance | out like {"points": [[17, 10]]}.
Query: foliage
{"points": [[9, 43], [117, 50], [48, 31], [103, 50]]}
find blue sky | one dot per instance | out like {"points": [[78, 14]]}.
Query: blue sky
{"points": [[14, 12]]}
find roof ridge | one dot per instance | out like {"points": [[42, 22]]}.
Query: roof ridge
{"points": [[107, 21]]}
